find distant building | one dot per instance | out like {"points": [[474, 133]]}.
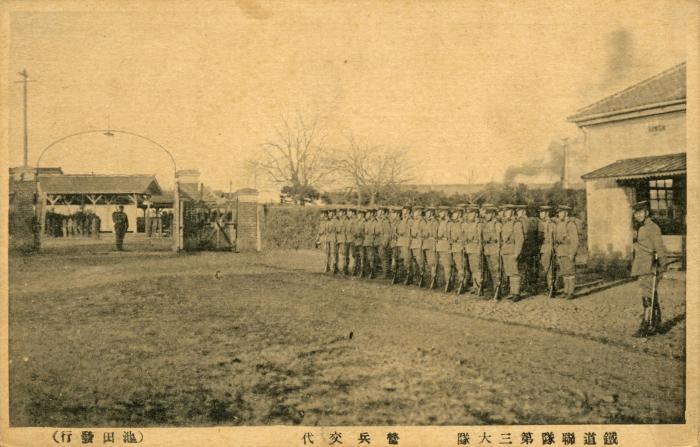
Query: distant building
{"points": [[635, 144]]}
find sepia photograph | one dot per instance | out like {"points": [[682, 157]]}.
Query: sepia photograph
{"points": [[351, 222]]}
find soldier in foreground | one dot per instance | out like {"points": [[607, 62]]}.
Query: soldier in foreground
{"points": [[383, 240], [121, 224], [341, 240], [648, 264], [368, 244], [566, 241], [474, 248], [394, 216], [429, 236], [357, 226], [456, 238]]}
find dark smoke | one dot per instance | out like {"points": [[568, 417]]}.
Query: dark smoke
{"points": [[552, 164]]}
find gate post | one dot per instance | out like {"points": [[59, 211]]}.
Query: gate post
{"points": [[248, 225], [25, 210]]}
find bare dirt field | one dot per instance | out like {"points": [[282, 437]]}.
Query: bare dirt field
{"points": [[99, 338]]}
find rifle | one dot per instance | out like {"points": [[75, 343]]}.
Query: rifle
{"points": [[497, 293], [482, 259], [553, 281], [653, 288]]}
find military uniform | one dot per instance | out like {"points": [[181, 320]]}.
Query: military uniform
{"points": [[357, 226], [394, 215], [368, 244], [455, 229], [473, 247], [403, 243], [121, 224], [428, 231], [418, 264], [512, 239], [383, 240], [443, 247], [341, 240], [332, 237], [322, 238], [649, 256], [491, 237], [566, 241], [545, 242]]}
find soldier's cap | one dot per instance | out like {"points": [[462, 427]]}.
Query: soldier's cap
{"points": [[489, 207], [351, 208], [461, 205], [472, 207], [395, 208], [444, 208], [371, 208], [418, 208], [361, 210], [520, 206], [406, 207], [507, 206], [545, 208], [563, 208], [641, 205]]}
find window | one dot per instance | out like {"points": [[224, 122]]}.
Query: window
{"points": [[661, 197]]}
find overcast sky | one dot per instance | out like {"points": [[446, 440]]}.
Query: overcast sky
{"points": [[459, 85]]}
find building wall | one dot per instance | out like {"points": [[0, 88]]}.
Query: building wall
{"points": [[608, 208], [640, 137], [248, 223]]}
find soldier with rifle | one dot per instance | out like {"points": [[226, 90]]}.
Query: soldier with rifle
{"points": [[429, 236], [383, 240], [403, 244], [491, 237], [418, 264], [331, 236], [545, 243], [443, 247], [350, 229], [474, 248], [456, 232], [358, 237], [341, 232], [394, 217], [368, 244], [566, 240], [648, 264], [512, 240]]}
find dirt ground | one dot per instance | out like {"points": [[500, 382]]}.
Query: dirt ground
{"points": [[99, 338]]}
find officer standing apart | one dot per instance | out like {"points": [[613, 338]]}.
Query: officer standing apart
{"points": [[648, 263], [121, 224], [512, 238], [566, 241]]}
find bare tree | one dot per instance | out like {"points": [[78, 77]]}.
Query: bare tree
{"points": [[372, 169], [296, 157]]}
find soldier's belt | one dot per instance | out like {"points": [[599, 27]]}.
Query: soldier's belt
{"points": [[645, 248]]}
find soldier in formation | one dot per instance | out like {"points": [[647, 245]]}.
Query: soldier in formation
{"points": [[464, 248]]}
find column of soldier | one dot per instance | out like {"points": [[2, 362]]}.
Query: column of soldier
{"points": [[472, 246]]}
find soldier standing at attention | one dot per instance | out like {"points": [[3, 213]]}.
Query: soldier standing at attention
{"points": [[383, 239], [545, 243], [648, 263], [429, 236], [474, 247], [565, 246], [403, 243], [525, 259], [443, 247], [418, 265], [369, 259], [456, 238], [121, 224], [491, 238], [394, 214], [358, 237], [341, 240], [322, 238], [332, 240], [512, 239]]}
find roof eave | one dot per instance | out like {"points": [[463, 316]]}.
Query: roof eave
{"points": [[587, 177], [620, 114]]}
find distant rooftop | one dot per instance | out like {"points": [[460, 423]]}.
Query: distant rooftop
{"points": [[99, 184], [666, 87]]}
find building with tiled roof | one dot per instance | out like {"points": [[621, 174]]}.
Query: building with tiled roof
{"points": [[635, 149]]}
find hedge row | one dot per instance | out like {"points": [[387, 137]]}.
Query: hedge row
{"points": [[290, 226]]}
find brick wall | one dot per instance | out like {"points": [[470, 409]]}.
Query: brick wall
{"points": [[21, 215]]}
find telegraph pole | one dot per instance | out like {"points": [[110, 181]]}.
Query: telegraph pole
{"points": [[24, 81]]}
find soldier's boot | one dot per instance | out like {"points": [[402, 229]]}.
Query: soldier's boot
{"points": [[409, 275], [327, 267], [515, 288], [569, 286], [655, 325], [643, 330], [448, 279], [460, 284], [433, 278]]}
